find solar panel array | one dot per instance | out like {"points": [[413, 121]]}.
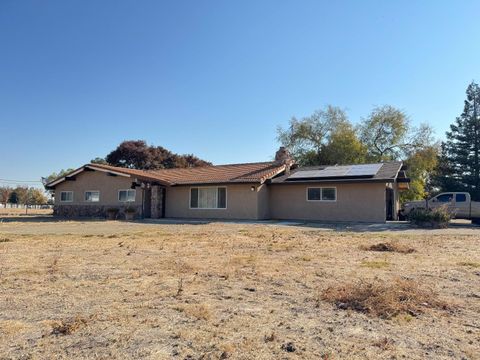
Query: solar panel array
{"points": [[366, 170]]}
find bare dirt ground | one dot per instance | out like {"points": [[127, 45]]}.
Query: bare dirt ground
{"points": [[97, 289]]}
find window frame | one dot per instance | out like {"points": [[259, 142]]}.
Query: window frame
{"points": [[67, 191], [198, 197], [127, 190], [91, 191], [321, 193]]}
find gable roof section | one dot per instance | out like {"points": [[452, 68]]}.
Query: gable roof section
{"points": [[388, 172], [233, 173]]}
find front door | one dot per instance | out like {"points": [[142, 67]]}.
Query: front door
{"points": [[389, 201], [147, 203]]}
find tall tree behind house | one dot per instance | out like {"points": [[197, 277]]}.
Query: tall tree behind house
{"points": [[459, 163]]}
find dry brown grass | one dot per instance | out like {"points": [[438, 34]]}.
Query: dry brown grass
{"points": [[20, 212], [384, 299], [375, 264], [471, 264], [116, 290]]}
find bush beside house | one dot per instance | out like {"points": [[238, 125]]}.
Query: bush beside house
{"points": [[437, 218]]}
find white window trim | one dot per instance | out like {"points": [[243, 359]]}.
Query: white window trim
{"points": [[64, 201], [207, 187], [321, 187], [89, 201], [126, 201]]}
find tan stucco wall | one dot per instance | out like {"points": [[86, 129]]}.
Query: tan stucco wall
{"points": [[355, 202], [241, 204], [263, 202], [96, 180]]}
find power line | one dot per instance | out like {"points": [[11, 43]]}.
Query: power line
{"points": [[20, 181]]}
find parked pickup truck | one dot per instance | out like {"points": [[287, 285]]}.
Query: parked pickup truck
{"points": [[459, 203]]}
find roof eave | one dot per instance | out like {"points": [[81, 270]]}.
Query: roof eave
{"points": [[212, 183], [337, 181]]}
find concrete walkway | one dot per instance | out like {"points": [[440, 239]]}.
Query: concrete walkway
{"points": [[455, 227]]}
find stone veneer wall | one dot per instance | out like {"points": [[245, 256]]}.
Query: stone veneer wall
{"points": [[98, 211], [157, 202]]}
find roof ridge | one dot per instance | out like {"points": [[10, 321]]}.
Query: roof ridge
{"points": [[211, 166], [272, 167]]}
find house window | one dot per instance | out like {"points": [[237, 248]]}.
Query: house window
{"points": [[126, 195], [92, 196], [66, 196], [322, 194], [208, 198]]}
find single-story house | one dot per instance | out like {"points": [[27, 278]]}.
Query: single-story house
{"points": [[267, 190]]}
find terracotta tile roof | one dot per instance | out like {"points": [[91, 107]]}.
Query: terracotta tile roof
{"points": [[233, 173], [133, 172]]}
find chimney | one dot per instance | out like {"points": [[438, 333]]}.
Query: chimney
{"points": [[283, 157]]}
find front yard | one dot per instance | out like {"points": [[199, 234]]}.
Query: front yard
{"points": [[99, 289]]}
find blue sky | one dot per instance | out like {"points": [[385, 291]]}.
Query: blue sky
{"points": [[215, 78]]}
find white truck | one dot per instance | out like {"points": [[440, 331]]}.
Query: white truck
{"points": [[459, 203]]}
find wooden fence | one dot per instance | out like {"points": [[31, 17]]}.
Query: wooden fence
{"points": [[23, 206]]}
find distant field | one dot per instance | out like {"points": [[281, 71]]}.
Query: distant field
{"points": [[16, 212], [111, 290]]}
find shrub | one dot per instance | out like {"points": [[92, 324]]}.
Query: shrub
{"points": [[130, 209], [112, 213], [430, 218], [384, 299]]}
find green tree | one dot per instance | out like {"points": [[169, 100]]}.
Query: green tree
{"points": [[343, 146], [459, 168], [54, 175], [36, 197], [99, 160], [384, 133], [388, 135], [325, 137], [13, 197], [421, 165]]}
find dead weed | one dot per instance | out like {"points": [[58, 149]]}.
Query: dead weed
{"points": [[384, 299], [198, 311], [69, 326], [390, 247]]}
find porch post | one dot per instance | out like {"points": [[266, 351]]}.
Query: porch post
{"points": [[156, 203]]}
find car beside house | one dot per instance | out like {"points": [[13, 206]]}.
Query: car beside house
{"points": [[251, 191]]}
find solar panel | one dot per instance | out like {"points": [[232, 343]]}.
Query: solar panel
{"points": [[338, 171], [364, 170], [329, 171]]}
